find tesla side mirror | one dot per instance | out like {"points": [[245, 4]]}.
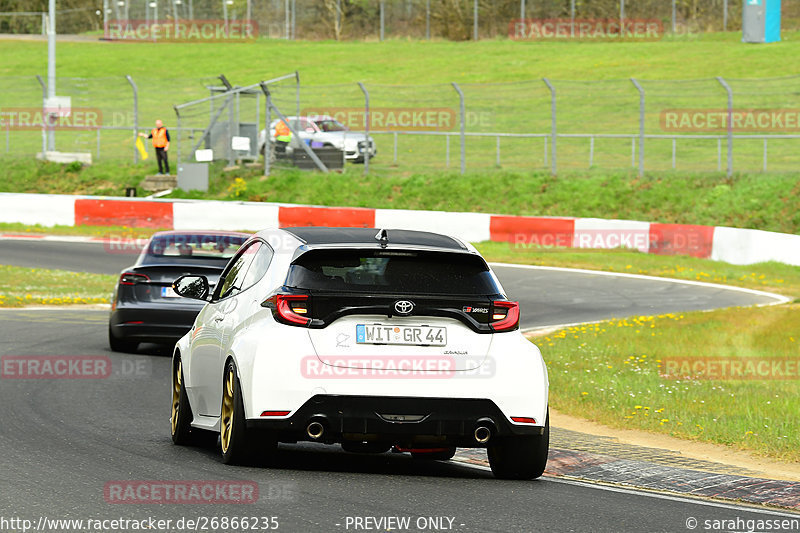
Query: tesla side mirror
{"points": [[195, 287]]}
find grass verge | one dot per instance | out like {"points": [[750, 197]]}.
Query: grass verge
{"points": [[771, 277], [758, 201], [611, 372], [20, 286]]}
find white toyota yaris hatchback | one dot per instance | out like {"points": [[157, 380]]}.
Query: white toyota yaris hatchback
{"points": [[373, 339]]}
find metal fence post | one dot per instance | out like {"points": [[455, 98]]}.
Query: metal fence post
{"points": [[287, 21], [674, 15], [231, 160], [641, 125], [572, 18], [463, 113], [382, 9], [621, 18], [367, 144], [135, 117], [428, 20], [297, 92], [475, 20], [44, 126], [554, 133], [267, 126], [730, 123], [724, 15], [294, 20], [178, 127]]}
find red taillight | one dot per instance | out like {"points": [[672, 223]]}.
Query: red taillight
{"points": [[275, 413], [523, 419], [290, 308], [131, 278], [505, 315]]}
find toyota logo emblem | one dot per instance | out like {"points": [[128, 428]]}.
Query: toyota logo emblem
{"points": [[403, 307]]}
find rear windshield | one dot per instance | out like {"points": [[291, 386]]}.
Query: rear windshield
{"points": [[207, 249], [392, 272]]}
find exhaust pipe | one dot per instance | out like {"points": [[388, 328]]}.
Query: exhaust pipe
{"points": [[482, 434], [315, 430]]}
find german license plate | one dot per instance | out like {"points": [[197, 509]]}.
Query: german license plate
{"points": [[167, 292], [408, 335]]}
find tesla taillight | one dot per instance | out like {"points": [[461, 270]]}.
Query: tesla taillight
{"points": [[290, 308], [131, 278], [504, 316]]}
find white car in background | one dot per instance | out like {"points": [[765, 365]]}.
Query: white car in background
{"points": [[321, 131], [372, 339]]}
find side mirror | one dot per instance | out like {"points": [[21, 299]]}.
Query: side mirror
{"points": [[195, 287]]}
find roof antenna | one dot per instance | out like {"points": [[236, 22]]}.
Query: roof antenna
{"points": [[382, 236]]}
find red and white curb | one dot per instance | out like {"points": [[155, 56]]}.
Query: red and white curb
{"points": [[733, 245]]}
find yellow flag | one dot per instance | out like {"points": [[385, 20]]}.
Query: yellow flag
{"points": [[140, 147]]}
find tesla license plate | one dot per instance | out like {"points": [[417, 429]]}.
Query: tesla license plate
{"points": [[167, 292], [411, 335]]}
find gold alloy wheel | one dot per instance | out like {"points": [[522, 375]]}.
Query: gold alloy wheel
{"points": [[227, 410], [176, 397]]}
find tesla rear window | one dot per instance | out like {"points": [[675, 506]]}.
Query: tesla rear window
{"points": [[393, 272], [200, 248]]}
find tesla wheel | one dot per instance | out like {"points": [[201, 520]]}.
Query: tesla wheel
{"points": [[520, 457], [181, 414], [239, 445], [439, 455], [120, 345]]}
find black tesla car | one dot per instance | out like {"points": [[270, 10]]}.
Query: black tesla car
{"points": [[145, 308]]}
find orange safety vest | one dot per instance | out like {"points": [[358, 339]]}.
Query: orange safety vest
{"points": [[282, 132], [159, 137]]}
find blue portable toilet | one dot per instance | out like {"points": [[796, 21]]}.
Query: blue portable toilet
{"points": [[761, 21]]}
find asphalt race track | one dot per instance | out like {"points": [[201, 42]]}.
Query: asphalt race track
{"points": [[547, 296], [64, 440]]}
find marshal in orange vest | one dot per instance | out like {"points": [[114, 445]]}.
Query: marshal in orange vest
{"points": [[159, 137]]}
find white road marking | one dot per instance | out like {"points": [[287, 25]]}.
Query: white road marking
{"points": [[697, 500]]}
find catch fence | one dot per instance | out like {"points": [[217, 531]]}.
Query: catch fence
{"points": [[702, 125]]}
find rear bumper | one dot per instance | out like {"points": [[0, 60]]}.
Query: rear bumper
{"points": [[158, 325], [442, 421]]}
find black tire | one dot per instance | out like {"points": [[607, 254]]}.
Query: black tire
{"points": [[121, 345], [354, 446], [238, 444], [444, 455], [520, 457], [183, 434]]}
